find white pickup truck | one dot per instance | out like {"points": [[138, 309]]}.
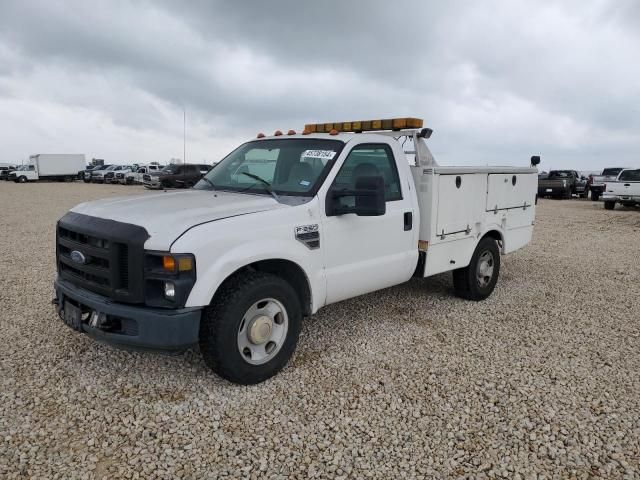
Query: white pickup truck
{"points": [[625, 190], [136, 176], [281, 227]]}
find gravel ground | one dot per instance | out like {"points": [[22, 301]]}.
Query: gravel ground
{"points": [[542, 380]]}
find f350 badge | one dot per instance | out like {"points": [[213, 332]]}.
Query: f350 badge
{"points": [[309, 235]]}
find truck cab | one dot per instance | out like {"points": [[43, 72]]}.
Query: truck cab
{"points": [[279, 228]]}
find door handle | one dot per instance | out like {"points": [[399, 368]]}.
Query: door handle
{"points": [[627, 184], [408, 221]]}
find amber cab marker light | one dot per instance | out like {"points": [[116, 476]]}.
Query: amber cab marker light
{"points": [[260, 135], [168, 263], [291, 132], [333, 132], [277, 133]]}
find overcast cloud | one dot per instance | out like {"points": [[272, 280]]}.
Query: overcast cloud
{"points": [[497, 81]]}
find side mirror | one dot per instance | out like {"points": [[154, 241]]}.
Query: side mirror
{"points": [[368, 199], [535, 160]]}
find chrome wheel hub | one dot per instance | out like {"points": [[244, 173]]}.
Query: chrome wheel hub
{"points": [[484, 270], [262, 331]]}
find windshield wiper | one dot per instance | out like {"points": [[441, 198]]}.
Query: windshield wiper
{"points": [[267, 185]]}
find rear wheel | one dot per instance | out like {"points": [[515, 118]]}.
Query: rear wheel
{"points": [[478, 280], [251, 329], [595, 196], [609, 205]]}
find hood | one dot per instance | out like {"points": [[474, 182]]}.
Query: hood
{"points": [[166, 215]]}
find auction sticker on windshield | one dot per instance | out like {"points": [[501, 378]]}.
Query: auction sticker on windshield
{"points": [[323, 154]]}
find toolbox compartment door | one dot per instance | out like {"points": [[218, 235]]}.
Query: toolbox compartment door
{"points": [[460, 202], [510, 190]]}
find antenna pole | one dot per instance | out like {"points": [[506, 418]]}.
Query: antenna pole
{"points": [[184, 135]]}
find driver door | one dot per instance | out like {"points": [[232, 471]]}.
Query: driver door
{"points": [[367, 253]]}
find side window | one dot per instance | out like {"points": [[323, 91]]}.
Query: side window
{"points": [[370, 160]]}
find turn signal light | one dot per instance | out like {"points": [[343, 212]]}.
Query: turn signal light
{"points": [[168, 263], [182, 264], [185, 264], [365, 125]]}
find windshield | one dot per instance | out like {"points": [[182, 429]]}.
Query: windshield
{"points": [[560, 174], [293, 166], [630, 176], [170, 169]]}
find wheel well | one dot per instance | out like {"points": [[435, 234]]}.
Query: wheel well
{"points": [[495, 234], [286, 269]]}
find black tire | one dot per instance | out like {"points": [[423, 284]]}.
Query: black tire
{"points": [[585, 194], [465, 280], [595, 196], [22, 179], [221, 322], [609, 205]]}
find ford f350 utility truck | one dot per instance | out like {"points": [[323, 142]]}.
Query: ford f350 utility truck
{"points": [[281, 227], [625, 190]]}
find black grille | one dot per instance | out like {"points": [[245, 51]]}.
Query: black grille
{"points": [[103, 256], [119, 175], [146, 178]]}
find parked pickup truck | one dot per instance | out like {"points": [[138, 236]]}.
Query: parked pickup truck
{"points": [[625, 190], [281, 227], [175, 176], [597, 182], [137, 175], [563, 184]]}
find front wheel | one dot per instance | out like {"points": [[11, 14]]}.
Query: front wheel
{"points": [[585, 194], [478, 280], [609, 205], [22, 179], [251, 329]]}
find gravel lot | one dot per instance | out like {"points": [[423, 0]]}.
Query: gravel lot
{"points": [[542, 380]]}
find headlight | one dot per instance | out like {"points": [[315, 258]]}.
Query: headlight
{"points": [[169, 290], [169, 278]]}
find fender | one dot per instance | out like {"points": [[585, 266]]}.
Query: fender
{"points": [[210, 279], [227, 245]]}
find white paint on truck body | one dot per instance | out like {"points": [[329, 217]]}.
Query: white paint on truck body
{"points": [[227, 231], [54, 165]]}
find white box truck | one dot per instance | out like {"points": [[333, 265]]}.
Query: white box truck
{"points": [[51, 166], [279, 228]]}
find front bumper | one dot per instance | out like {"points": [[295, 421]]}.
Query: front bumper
{"points": [[131, 327], [153, 183], [608, 197]]}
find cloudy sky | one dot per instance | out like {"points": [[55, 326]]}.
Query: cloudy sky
{"points": [[497, 80]]}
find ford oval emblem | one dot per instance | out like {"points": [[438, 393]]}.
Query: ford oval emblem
{"points": [[78, 257]]}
